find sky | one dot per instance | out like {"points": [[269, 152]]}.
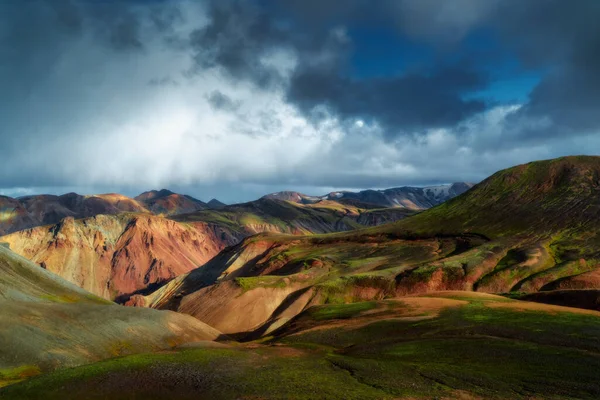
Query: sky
{"points": [[236, 99]]}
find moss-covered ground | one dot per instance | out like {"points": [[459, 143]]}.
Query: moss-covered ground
{"points": [[443, 346]]}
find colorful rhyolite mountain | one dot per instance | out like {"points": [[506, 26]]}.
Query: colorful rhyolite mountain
{"points": [[115, 256], [528, 228], [30, 211]]}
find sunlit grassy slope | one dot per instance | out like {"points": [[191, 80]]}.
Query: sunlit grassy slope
{"points": [[440, 346], [47, 323]]}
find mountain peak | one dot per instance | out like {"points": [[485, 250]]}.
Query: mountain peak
{"points": [[154, 194], [216, 204], [167, 202]]}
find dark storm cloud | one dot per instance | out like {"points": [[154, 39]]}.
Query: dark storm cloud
{"points": [[68, 16], [401, 104], [560, 39], [35, 35], [564, 39], [124, 33], [557, 38], [119, 24], [165, 19], [34, 24], [240, 34], [236, 37], [52, 84]]}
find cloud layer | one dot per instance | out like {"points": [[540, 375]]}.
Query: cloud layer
{"points": [[233, 99]]}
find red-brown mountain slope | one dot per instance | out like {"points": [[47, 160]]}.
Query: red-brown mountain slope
{"points": [[113, 256]]}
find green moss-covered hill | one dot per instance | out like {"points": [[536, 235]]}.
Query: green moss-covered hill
{"points": [[559, 196]]}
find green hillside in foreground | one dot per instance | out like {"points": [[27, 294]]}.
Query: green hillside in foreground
{"points": [[453, 345], [47, 323]]}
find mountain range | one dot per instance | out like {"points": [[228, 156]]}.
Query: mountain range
{"points": [[29, 211], [412, 198], [130, 248], [329, 297]]}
